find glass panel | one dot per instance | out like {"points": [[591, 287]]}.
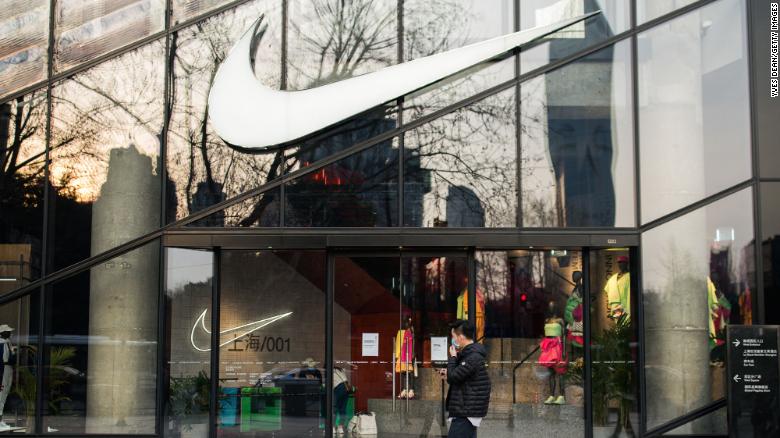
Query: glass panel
{"points": [[358, 191], [358, 129], [24, 38], [461, 169], [647, 10], [385, 328], [333, 40], [188, 286], [696, 275], [694, 112], [770, 249], [105, 153], [257, 211], [577, 152], [366, 304], [22, 165], [186, 9], [88, 28], [614, 19], [712, 424], [202, 169], [272, 339], [614, 343], [535, 369], [430, 27], [18, 346], [100, 347], [434, 293]]}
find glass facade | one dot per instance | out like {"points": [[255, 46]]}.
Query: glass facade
{"points": [[693, 107], [698, 278], [582, 109], [595, 195], [100, 347]]}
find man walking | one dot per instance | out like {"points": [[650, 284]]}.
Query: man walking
{"points": [[469, 392]]}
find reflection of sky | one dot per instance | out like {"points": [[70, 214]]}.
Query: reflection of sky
{"points": [[187, 266]]}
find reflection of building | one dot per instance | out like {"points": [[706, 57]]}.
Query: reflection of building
{"points": [[580, 126]]}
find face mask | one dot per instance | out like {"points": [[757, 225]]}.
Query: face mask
{"points": [[454, 343]]}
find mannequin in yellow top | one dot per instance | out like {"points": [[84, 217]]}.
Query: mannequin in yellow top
{"points": [[463, 312], [618, 290]]}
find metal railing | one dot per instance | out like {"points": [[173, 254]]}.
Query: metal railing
{"points": [[514, 372]]}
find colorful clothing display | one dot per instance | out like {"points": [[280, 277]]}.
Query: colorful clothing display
{"points": [[618, 290], [719, 313], [463, 311], [404, 351], [552, 349], [573, 317]]}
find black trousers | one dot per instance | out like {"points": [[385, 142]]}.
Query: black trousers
{"points": [[461, 427]]}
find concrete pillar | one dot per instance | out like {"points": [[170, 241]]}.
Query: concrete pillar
{"points": [[121, 370], [675, 256]]}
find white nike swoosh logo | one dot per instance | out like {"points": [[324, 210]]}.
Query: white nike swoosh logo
{"points": [[245, 328], [247, 114]]}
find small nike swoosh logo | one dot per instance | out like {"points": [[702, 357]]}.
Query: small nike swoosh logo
{"points": [[244, 329], [247, 114]]}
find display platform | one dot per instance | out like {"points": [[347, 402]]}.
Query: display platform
{"points": [[424, 418]]}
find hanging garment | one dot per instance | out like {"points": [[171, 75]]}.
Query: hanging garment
{"points": [[573, 317], [404, 351], [712, 305], [463, 312], [618, 290]]}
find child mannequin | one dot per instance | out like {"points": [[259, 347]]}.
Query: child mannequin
{"points": [[552, 357]]}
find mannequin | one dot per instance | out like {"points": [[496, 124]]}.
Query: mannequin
{"points": [[404, 358], [6, 369], [463, 312], [618, 290], [573, 314], [553, 356]]}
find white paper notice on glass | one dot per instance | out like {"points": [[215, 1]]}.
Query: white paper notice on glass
{"points": [[370, 344], [439, 348]]}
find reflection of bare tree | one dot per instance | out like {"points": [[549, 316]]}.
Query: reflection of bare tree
{"points": [[468, 156], [203, 169], [340, 39], [22, 164]]}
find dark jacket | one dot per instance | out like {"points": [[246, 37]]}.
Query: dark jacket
{"points": [[469, 392]]}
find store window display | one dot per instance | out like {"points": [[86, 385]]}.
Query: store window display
{"points": [[614, 347], [405, 362], [533, 338], [553, 357], [463, 310], [618, 290]]}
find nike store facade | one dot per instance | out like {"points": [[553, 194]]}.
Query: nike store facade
{"points": [[256, 218]]}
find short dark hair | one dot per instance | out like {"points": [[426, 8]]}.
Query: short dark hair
{"points": [[464, 327]]}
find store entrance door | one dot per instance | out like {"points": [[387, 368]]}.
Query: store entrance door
{"points": [[391, 316]]}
